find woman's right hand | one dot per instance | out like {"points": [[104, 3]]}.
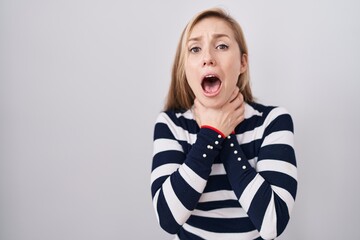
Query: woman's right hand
{"points": [[224, 119]]}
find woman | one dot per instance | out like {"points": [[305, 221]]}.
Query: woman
{"points": [[223, 166]]}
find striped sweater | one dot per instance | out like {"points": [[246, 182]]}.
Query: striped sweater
{"points": [[239, 187]]}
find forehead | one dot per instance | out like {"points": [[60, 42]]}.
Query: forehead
{"points": [[211, 25]]}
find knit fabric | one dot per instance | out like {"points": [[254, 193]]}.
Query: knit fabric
{"points": [[242, 186]]}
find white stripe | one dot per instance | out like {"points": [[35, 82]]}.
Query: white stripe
{"points": [[194, 180], [155, 200], [268, 226], [163, 144], [250, 191], [258, 132], [178, 132], [188, 115], [285, 196], [217, 169], [250, 111], [279, 137], [222, 213], [251, 135], [164, 170], [179, 212], [223, 236], [218, 196], [274, 113], [253, 161], [277, 166]]}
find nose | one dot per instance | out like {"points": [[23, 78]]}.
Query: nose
{"points": [[208, 58]]}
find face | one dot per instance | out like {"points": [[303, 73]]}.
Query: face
{"points": [[214, 62]]}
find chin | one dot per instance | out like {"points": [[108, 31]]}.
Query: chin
{"points": [[212, 103]]}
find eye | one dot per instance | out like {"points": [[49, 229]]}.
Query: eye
{"points": [[222, 46], [195, 49]]}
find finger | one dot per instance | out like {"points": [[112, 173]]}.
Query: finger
{"points": [[241, 107], [236, 104], [240, 112], [241, 97]]}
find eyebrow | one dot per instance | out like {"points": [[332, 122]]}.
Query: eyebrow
{"points": [[215, 35]]}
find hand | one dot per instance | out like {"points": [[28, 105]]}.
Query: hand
{"points": [[226, 118]]}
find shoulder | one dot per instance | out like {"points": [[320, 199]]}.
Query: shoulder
{"points": [[265, 111], [178, 118], [274, 117], [267, 115], [179, 125], [174, 116]]}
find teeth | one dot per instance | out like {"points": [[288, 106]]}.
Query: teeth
{"points": [[210, 76]]}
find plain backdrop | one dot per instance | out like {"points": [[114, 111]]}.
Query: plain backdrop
{"points": [[82, 82]]}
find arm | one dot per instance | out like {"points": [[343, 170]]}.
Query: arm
{"points": [[177, 179], [266, 192]]}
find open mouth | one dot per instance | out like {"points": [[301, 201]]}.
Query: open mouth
{"points": [[211, 85]]}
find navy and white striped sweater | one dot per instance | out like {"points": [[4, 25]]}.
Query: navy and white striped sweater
{"points": [[241, 187]]}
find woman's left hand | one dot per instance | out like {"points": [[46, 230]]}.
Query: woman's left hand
{"points": [[224, 119]]}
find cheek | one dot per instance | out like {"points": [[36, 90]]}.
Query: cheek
{"points": [[234, 73], [192, 84], [191, 77]]}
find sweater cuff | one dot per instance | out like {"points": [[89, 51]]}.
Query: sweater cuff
{"points": [[236, 165], [204, 151], [214, 129]]}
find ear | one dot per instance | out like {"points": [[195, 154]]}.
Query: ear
{"points": [[244, 63]]}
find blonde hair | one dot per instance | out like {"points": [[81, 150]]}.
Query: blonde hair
{"points": [[180, 95]]}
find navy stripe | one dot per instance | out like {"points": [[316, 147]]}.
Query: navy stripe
{"points": [[281, 180], [157, 184], [257, 208], [207, 206], [250, 123], [282, 213], [185, 235], [240, 182], [166, 218], [171, 156], [281, 123], [222, 225], [184, 192], [162, 131], [281, 152], [217, 182]]}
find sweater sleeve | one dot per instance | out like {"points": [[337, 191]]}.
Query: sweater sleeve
{"points": [[178, 179], [267, 191]]}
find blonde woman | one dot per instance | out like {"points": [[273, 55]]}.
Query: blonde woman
{"points": [[223, 166]]}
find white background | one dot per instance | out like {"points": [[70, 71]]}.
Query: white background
{"points": [[81, 84]]}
